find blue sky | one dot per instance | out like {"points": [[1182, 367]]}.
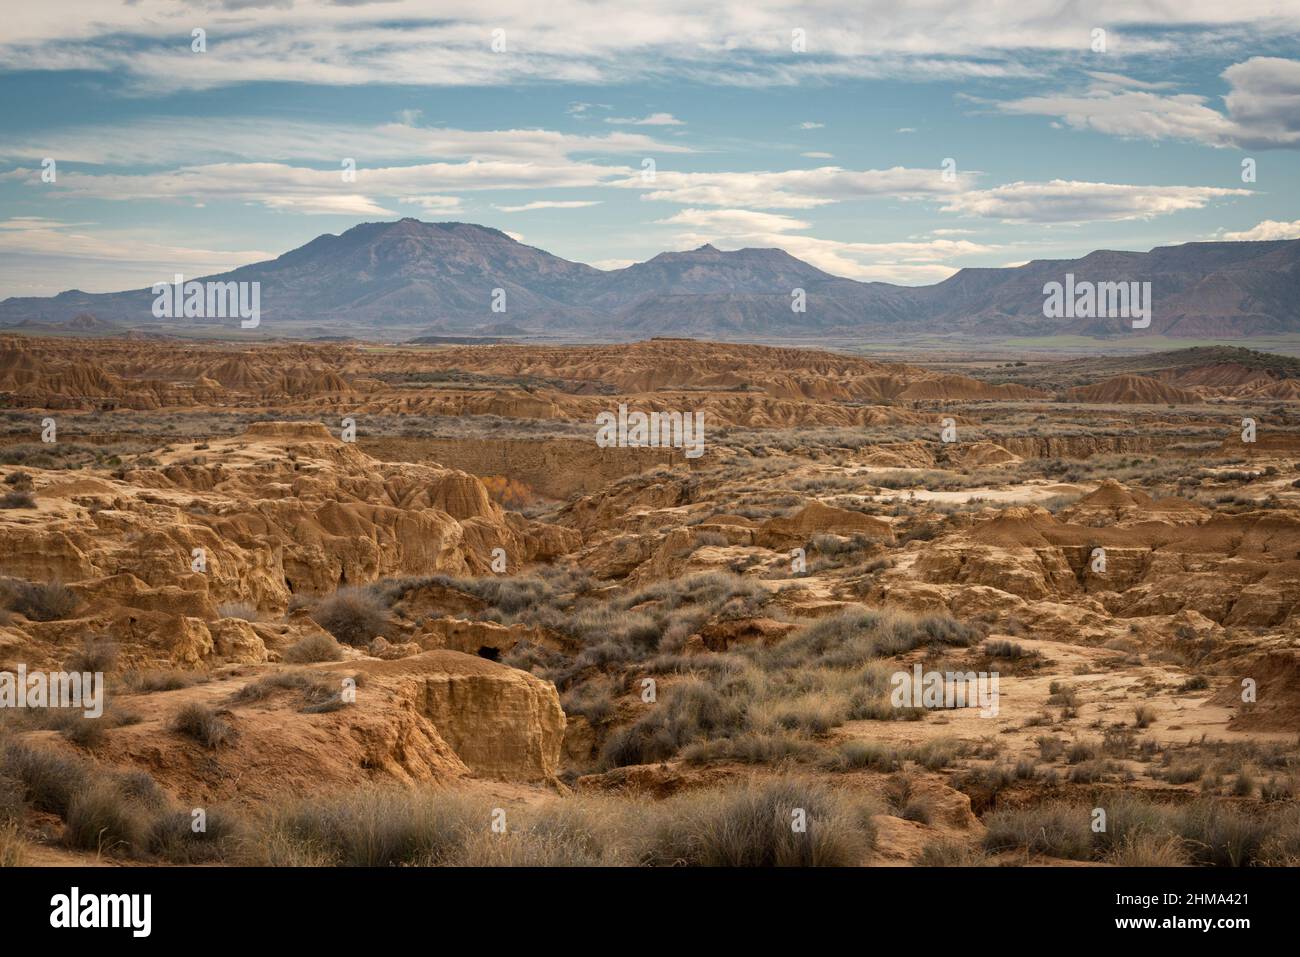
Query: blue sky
{"points": [[170, 160]]}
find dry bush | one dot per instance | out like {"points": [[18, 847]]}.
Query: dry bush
{"points": [[944, 853], [509, 493], [313, 648], [1056, 830], [39, 601], [147, 682], [355, 616], [750, 825], [96, 655], [203, 724], [369, 828], [100, 818], [172, 836], [49, 780], [13, 849]]}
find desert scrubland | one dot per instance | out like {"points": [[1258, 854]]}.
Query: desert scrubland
{"points": [[362, 604]]}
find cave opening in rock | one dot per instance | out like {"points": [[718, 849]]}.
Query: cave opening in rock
{"points": [[490, 653]]}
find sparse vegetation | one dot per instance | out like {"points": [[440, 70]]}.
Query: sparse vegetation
{"points": [[204, 725]]}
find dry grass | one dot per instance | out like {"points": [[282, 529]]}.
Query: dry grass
{"points": [[13, 849], [38, 601], [314, 648], [204, 725], [355, 616]]}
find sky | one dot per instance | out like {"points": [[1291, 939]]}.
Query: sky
{"points": [[877, 141]]}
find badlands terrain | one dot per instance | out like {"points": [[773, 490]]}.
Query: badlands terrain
{"points": [[376, 604]]}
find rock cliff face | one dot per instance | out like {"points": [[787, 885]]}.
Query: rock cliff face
{"points": [[501, 722], [1162, 557], [284, 510], [432, 719]]}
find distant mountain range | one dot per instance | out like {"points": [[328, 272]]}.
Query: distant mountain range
{"points": [[411, 278]]}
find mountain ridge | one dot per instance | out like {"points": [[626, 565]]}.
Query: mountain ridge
{"points": [[447, 276]]}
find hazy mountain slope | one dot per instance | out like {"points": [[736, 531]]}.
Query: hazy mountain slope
{"points": [[442, 276]]}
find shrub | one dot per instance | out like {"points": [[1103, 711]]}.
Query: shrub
{"points": [[1147, 850], [1091, 771], [313, 648], [352, 615], [1144, 716], [146, 682], [95, 655], [852, 755], [371, 828], [1009, 650], [569, 833], [49, 780], [1081, 751], [317, 689], [750, 748], [1050, 747], [17, 499], [204, 725], [101, 818], [750, 826], [951, 854], [855, 637], [12, 805], [40, 601], [13, 849], [73, 724], [1184, 773], [690, 710], [905, 803], [172, 836], [1223, 836], [1056, 830]]}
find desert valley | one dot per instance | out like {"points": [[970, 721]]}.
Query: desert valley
{"points": [[376, 603]]}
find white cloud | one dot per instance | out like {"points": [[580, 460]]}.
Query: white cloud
{"points": [[906, 129], [155, 141], [280, 186], [1064, 201], [42, 252], [436, 204], [814, 154], [1268, 229], [550, 204], [794, 189], [448, 42], [906, 262], [1263, 108], [654, 119]]}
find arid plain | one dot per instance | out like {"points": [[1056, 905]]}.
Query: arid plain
{"points": [[374, 604]]}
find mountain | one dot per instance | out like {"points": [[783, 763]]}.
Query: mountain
{"points": [[410, 278]]}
